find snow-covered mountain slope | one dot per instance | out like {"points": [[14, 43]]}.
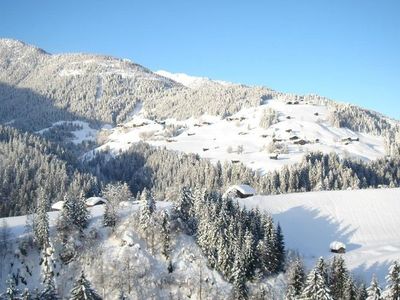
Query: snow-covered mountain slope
{"points": [[192, 81], [367, 221], [222, 139], [109, 257]]}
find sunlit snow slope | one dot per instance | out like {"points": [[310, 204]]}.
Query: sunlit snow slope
{"points": [[218, 139], [367, 221]]}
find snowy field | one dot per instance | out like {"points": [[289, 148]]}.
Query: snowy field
{"points": [[218, 139], [367, 221]]}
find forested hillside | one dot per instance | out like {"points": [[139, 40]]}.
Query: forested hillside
{"points": [[29, 163]]}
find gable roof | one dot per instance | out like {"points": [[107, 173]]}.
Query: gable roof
{"points": [[244, 189], [95, 200], [58, 205]]}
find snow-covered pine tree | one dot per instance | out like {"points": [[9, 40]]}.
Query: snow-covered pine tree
{"points": [[295, 279], [82, 214], [338, 277], [147, 209], [280, 249], [74, 213], [323, 269], [392, 290], [12, 292], [165, 235], [49, 291], [268, 255], [82, 290], [362, 292], [315, 287], [114, 193], [249, 254], [350, 290], [374, 291], [184, 204], [41, 224], [26, 295], [240, 290], [110, 216]]}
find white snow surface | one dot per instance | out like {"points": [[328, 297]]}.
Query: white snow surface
{"points": [[367, 221], [212, 139], [85, 134], [191, 81]]}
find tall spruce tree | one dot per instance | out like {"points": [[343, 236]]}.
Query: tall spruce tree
{"points": [[280, 249], [12, 292], [392, 290], [315, 287], [362, 293], [165, 235], [82, 290], [374, 291], [41, 223], [295, 279], [49, 291], [338, 277], [148, 207], [240, 291]]}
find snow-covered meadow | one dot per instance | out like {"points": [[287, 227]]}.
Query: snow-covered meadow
{"points": [[367, 221]]}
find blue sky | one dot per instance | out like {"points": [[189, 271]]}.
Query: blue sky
{"points": [[348, 50]]}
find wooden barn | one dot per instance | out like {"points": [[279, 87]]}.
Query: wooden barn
{"points": [[93, 201], [240, 191], [337, 247]]}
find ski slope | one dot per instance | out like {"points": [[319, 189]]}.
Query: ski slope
{"points": [[367, 221], [218, 139]]}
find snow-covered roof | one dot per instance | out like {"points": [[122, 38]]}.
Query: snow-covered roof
{"points": [[94, 201], [337, 245], [58, 205], [242, 188]]}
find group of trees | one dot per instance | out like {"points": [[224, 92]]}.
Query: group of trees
{"points": [[166, 172], [268, 118], [240, 244], [82, 289], [333, 281], [318, 171], [29, 163]]}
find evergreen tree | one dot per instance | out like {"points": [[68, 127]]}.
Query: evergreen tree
{"points": [[147, 209], [323, 269], [350, 290], [239, 278], [82, 290], [165, 234], [392, 290], [49, 291], [74, 213], [110, 216], [26, 295], [114, 194], [280, 249], [41, 224], [374, 291], [362, 293], [12, 292], [81, 214], [338, 278], [315, 286], [295, 279]]}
